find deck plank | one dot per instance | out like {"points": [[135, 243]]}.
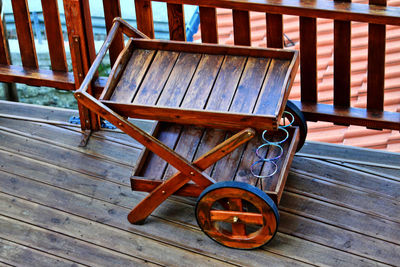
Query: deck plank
{"points": [[70, 140], [342, 175], [340, 195], [50, 241], [343, 219], [139, 249], [15, 254], [114, 216]]}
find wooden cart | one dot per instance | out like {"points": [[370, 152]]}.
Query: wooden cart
{"points": [[212, 102]]}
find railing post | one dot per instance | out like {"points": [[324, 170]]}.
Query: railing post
{"points": [[376, 62], [342, 62], [144, 17], [308, 59], [80, 36]]}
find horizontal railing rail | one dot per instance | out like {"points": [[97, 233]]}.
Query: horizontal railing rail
{"points": [[342, 13]]}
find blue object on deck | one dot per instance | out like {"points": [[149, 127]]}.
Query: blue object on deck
{"points": [[193, 25], [104, 124]]}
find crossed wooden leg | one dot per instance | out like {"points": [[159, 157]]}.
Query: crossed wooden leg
{"points": [[165, 189], [187, 170]]}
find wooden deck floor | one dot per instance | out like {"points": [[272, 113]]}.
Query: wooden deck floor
{"points": [[61, 205]]}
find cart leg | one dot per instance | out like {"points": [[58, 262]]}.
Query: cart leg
{"points": [[139, 214]]}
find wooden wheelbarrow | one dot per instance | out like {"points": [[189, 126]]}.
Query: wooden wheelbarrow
{"points": [[210, 102]]}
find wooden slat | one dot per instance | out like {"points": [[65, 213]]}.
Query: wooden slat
{"points": [[202, 82], [156, 77], [273, 89], [179, 80], [308, 59], [24, 32], [252, 79], [54, 35], [153, 166], [4, 55], [226, 83], [241, 27], [112, 10], [176, 22], [172, 95], [37, 77], [208, 25], [144, 17], [342, 62], [376, 63], [186, 146], [274, 30], [354, 116], [132, 76], [320, 9], [117, 71], [196, 96]]}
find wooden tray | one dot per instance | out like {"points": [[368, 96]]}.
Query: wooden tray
{"points": [[205, 85], [191, 142]]}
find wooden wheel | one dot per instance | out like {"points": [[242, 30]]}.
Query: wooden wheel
{"points": [[299, 120], [237, 215]]}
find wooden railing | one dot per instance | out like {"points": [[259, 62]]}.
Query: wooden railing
{"points": [[81, 43]]}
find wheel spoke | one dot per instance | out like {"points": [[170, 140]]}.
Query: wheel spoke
{"points": [[236, 217]]}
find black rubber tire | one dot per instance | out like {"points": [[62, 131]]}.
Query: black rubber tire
{"points": [[243, 190], [299, 120]]}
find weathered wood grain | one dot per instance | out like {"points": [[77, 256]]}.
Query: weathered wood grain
{"points": [[179, 80], [249, 85], [133, 75], [357, 179], [349, 219], [72, 249], [156, 77], [12, 254], [367, 202], [100, 211]]}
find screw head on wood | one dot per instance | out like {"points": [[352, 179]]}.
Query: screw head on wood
{"points": [[191, 173]]}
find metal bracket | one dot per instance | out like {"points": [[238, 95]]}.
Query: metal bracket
{"points": [[85, 138], [104, 124]]}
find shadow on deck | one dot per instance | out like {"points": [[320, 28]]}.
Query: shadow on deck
{"points": [[62, 205]]}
